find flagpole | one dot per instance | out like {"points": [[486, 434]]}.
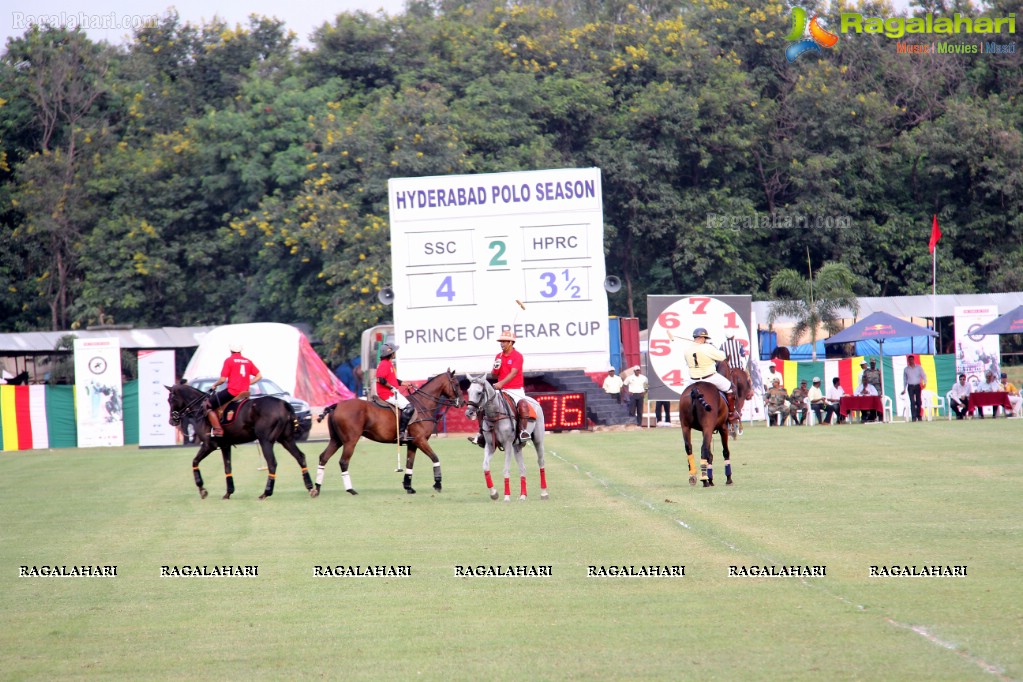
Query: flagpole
{"points": [[934, 293]]}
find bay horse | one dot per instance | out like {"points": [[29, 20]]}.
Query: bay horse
{"points": [[743, 387], [352, 419], [265, 419], [702, 406], [500, 420]]}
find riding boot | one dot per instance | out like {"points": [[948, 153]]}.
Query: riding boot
{"points": [[478, 439], [733, 416], [523, 421], [406, 416], [214, 418]]}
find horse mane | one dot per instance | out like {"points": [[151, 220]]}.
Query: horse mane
{"points": [[185, 391]]}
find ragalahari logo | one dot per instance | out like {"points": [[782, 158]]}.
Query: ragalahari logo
{"points": [[819, 36]]}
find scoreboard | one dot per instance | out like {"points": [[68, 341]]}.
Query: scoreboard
{"points": [[473, 254], [562, 411], [672, 322]]}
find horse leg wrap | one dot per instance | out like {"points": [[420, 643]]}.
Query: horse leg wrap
{"points": [[230, 484], [305, 479], [489, 479], [728, 470], [522, 487], [319, 475], [346, 478], [197, 476], [543, 479], [436, 475], [270, 480], [703, 469], [507, 489]]}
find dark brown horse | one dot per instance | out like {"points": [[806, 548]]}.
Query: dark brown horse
{"points": [[703, 407], [352, 419], [265, 419], [743, 388]]}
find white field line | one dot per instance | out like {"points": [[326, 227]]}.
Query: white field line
{"points": [[988, 667]]}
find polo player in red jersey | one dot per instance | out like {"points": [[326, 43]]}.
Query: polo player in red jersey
{"points": [[387, 388], [239, 373], [507, 375]]}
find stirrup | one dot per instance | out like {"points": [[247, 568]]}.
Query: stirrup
{"points": [[524, 436]]}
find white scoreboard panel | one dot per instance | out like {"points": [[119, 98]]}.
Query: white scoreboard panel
{"points": [[466, 250]]}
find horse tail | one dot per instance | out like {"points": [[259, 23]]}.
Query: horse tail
{"points": [[697, 397], [329, 409]]}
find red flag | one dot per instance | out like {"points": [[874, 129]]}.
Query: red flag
{"points": [[935, 233]]}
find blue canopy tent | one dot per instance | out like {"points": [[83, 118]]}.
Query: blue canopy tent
{"points": [[1009, 323], [879, 327], [904, 346]]}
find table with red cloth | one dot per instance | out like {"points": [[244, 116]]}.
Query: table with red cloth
{"points": [[860, 403], [979, 400]]}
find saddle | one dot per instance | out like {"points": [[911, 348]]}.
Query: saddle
{"points": [[228, 412], [526, 415]]}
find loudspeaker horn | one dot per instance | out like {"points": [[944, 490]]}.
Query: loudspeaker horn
{"points": [[612, 284], [386, 296]]}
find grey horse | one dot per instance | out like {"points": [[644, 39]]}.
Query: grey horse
{"points": [[499, 427]]}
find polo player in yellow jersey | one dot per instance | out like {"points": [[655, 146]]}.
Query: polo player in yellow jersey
{"points": [[702, 358]]}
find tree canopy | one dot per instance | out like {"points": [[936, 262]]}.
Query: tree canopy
{"points": [[204, 174]]}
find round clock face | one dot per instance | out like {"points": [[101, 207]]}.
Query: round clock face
{"points": [[672, 331]]}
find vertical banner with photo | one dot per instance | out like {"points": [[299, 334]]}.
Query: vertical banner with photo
{"points": [[975, 354], [99, 410], [156, 370]]}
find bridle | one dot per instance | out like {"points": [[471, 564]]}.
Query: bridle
{"points": [[443, 403], [487, 397], [187, 410]]}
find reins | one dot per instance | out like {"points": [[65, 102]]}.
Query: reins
{"points": [[497, 413], [441, 402], [189, 408]]}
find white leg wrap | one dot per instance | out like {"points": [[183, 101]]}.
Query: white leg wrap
{"points": [[319, 475], [347, 478]]}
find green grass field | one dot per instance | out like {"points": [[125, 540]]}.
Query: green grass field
{"points": [[845, 497]]}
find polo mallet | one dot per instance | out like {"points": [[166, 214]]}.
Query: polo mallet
{"points": [[515, 319]]}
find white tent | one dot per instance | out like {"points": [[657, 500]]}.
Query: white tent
{"points": [[281, 352]]}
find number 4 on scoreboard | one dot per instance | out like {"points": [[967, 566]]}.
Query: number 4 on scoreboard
{"points": [[446, 289]]}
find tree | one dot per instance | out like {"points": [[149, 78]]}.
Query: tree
{"points": [[813, 302], [63, 79]]}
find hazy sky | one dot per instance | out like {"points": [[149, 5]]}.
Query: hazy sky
{"points": [[301, 16]]}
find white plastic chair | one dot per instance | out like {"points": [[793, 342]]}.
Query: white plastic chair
{"points": [[887, 413], [948, 405], [770, 419], [932, 403], [811, 417]]}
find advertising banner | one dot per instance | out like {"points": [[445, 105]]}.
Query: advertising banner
{"points": [[98, 406], [975, 354], [156, 370]]}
